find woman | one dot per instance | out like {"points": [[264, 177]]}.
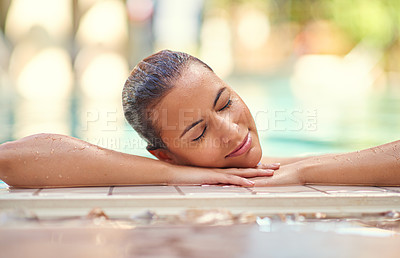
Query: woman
{"points": [[200, 130], [189, 116]]}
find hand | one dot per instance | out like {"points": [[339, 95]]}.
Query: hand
{"points": [[290, 174], [259, 170], [235, 176]]}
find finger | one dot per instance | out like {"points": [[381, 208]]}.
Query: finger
{"points": [[235, 180], [270, 166]]}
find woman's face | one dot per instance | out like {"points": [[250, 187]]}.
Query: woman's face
{"points": [[205, 123]]}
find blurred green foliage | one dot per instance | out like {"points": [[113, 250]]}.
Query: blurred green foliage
{"points": [[375, 21]]}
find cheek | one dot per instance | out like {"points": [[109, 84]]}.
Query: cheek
{"points": [[208, 154], [211, 150], [242, 113]]}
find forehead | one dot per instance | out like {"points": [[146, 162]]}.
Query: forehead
{"points": [[192, 95], [196, 88], [196, 79]]}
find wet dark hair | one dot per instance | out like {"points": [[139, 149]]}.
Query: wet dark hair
{"points": [[147, 84]]}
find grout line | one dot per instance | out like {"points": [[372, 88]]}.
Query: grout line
{"points": [[251, 190], [388, 189], [36, 193], [316, 189], [179, 190], [110, 190]]}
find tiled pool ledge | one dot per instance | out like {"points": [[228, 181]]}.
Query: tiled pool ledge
{"points": [[120, 202]]}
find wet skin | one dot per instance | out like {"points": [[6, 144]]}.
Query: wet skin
{"points": [[205, 123]]}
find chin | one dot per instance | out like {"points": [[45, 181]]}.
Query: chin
{"points": [[254, 157], [250, 160]]}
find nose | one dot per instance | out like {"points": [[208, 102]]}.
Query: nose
{"points": [[226, 129]]}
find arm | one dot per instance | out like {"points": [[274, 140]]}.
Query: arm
{"points": [[288, 160], [50, 160], [282, 160], [377, 166]]}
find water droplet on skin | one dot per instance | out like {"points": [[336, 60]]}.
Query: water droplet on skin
{"points": [[84, 147], [348, 159], [37, 155], [60, 176], [52, 151], [47, 177]]}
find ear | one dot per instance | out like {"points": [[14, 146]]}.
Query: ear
{"points": [[163, 155]]}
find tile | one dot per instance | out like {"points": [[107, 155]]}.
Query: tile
{"points": [[392, 188], [145, 190], [295, 190], [74, 191], [282, 189], [351, 190], [214, 190], [345, 188], [16, 192]]}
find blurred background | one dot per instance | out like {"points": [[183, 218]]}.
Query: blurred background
{"points": [[318, 75]]}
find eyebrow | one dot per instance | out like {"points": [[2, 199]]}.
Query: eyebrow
{"points": [[201, 120]]}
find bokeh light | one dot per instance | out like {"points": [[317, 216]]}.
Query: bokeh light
{"points": [[105, 23], [53, 16], [63, 65], [47, 75]]}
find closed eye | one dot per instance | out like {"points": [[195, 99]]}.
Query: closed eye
{"points": [[201, 136], [228, 105]]}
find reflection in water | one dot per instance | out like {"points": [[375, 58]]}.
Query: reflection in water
{"points": [[379, 224], [202, 233]]}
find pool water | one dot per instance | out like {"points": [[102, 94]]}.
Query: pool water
{"points": [[289, 123]]}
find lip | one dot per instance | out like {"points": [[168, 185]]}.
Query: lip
{"points": [[242, 148]]}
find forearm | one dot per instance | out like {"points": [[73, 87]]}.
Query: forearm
{"points": [[379, 166], [49, 160], [284, 160]]}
